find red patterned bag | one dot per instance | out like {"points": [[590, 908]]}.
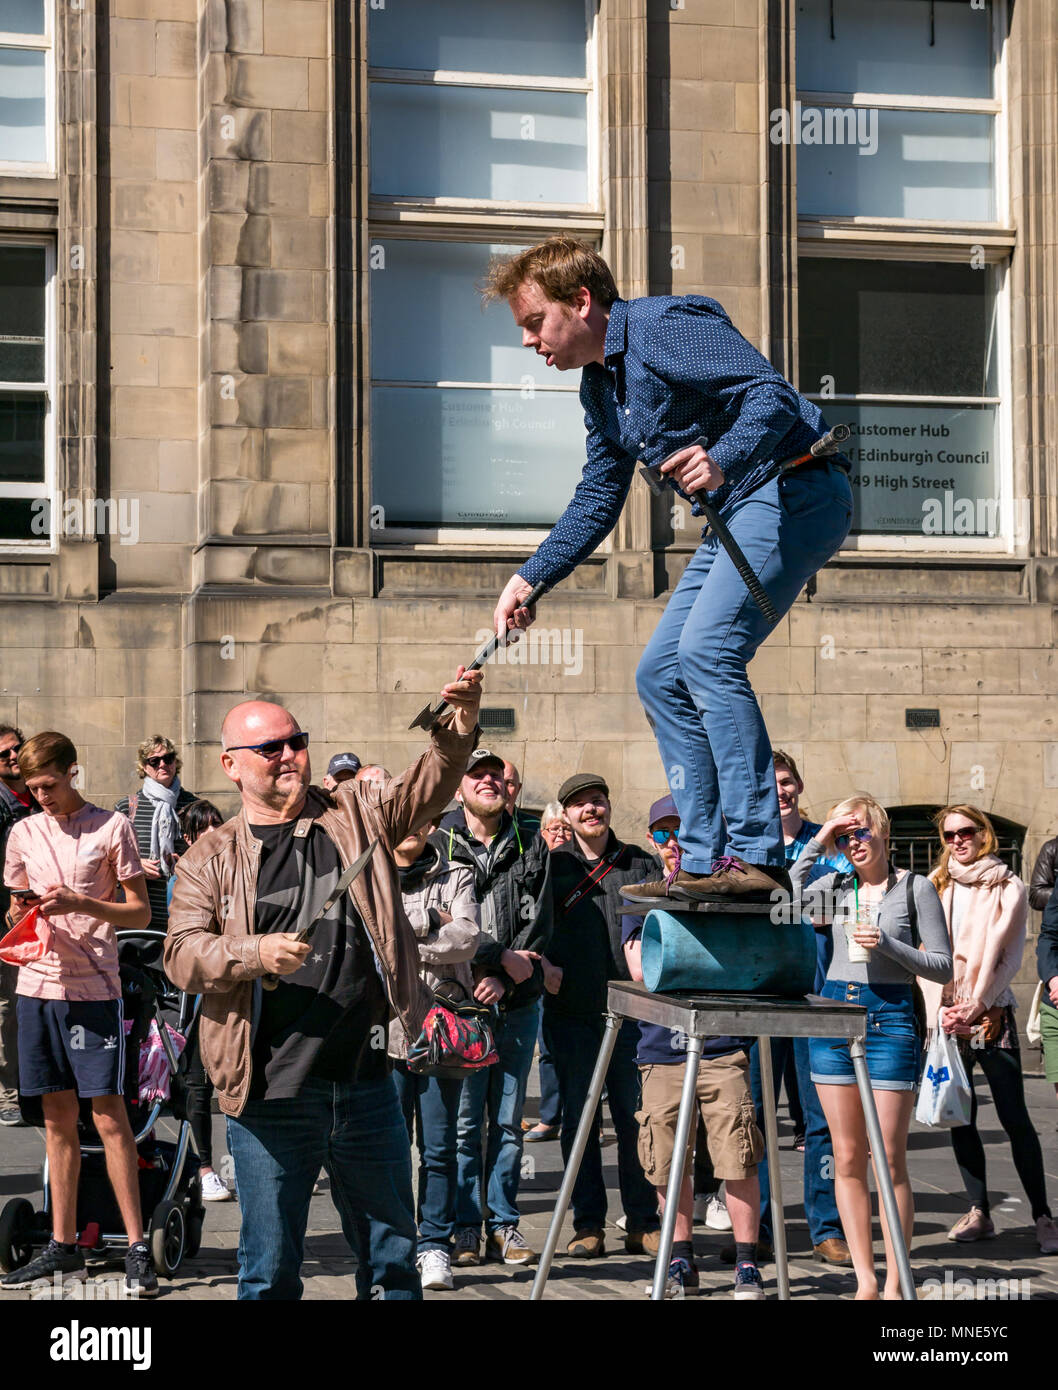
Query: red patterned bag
{"points": [[456, 1038], [28, 940]]}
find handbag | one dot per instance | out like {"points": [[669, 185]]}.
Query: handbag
{"points": [[456, 1038], [28, 940]]}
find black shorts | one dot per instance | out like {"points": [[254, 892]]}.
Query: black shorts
{"points": [[70, 1045]]}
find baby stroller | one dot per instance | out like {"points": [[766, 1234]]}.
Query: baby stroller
{"points": [[170, 1186]]}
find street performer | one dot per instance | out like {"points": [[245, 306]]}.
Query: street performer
{"points": [[668, 380]]}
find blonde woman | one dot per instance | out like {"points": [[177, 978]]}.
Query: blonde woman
{"points": [[877, 956], [155, 812], [986, 908]]}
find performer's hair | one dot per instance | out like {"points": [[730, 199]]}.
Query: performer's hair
{"points": [[940, 875], [49, 749], [561, 265], [873, 811], [783, 759]]}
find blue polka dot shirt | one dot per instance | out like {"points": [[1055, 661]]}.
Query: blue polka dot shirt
{"points": [[675, 369]]}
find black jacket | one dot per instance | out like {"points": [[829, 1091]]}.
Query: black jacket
{"points": [[1047, 945], [586, 939], [11, 811], [1043, 875], [513, 888]]}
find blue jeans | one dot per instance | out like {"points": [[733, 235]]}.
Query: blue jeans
{"points": [[431, 1105], [574, 1045], [550, 1100], [358, 1134], [821, 1208], [692, 677], [493, 1099]]}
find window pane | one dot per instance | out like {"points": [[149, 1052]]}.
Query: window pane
{"points": [[21, 16], [897, 328], [22, 274], [23, 132], [927, 165], [22, 439], [479, 142], [887, 47], [434, 285], [474, 458], [480, 36], [924, 469], [23, 519]]}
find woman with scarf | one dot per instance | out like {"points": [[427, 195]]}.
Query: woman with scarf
{"points": [[154, 812], [439, 903], [986, 908]]}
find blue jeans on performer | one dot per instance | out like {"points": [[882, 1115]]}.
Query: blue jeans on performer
{"points": [[357, 1133], [431, 1106], [494, 1098], [821, 1208], [692, 677], [574, 1045]]}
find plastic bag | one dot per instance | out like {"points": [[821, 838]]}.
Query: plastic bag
{"points": [[28, 940], [944, 1096]]}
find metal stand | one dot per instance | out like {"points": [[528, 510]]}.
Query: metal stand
{"points": [[701, 1016]]}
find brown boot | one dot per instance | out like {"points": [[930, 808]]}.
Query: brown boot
{"points": [[734, 878], [643, 1242], [587, 1245], [832, 1251]]}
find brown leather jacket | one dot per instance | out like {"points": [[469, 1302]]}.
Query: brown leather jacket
{"points": [[211, 949]]}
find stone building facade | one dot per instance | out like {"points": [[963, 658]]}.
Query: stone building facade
{"points": [[210, 218]]}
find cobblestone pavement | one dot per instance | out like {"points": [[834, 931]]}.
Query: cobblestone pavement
{"points": [[328, 1265]]}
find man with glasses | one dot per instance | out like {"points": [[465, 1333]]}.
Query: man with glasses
{"points": [[512, 882], [16, 802], [155, 815], [293, 1029]]}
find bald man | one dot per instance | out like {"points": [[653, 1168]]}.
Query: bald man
{"points": [[299, 1060]]}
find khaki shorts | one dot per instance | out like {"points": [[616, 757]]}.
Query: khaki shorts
{"points": [[736, 1145]]}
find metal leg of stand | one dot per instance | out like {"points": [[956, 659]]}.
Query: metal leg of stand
{"points": [[686, 1115], [771, 1138], [881, 1168], [580, 1143]]}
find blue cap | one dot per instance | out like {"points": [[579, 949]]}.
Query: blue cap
{"points": [[660, 809]]}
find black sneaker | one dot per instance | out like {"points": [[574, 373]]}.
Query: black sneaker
{"points": [[140, 1278], [53, 1259], [11, 1118]]}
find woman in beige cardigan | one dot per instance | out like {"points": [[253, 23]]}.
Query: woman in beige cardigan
{"points": [[986, 908]]}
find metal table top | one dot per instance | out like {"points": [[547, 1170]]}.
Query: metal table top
{"points": [[703, 1015]]}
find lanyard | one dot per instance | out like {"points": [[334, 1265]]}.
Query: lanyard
{"points": [[589, 882]]}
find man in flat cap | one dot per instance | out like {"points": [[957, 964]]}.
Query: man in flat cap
{"points": [[587, 876]]}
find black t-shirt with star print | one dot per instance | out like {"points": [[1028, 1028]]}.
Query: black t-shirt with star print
{"points": [[328, 1019]]}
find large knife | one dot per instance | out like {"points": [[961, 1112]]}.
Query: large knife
{"points": [[356, 867], [429, 714]]}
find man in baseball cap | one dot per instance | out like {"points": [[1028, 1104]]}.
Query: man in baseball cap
{"points": [[340, 768]]}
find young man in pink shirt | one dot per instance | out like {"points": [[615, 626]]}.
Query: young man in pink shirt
{"points": [[68, 863]]}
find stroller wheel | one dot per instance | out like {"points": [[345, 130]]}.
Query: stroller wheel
{"points": [[16, 1234], [168, 1238]]}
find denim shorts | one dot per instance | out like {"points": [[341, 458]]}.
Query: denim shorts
{"points": [[892, 1045]]}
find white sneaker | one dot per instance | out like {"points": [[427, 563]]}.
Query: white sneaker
{"points": [[435, 1269], [1047, 1236], [214, 1189], [716, 1217]]}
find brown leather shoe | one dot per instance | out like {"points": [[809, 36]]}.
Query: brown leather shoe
{"points": [[587, 1245], [643, 1242], [657, 887], [734, 878], [832, 1251]]}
